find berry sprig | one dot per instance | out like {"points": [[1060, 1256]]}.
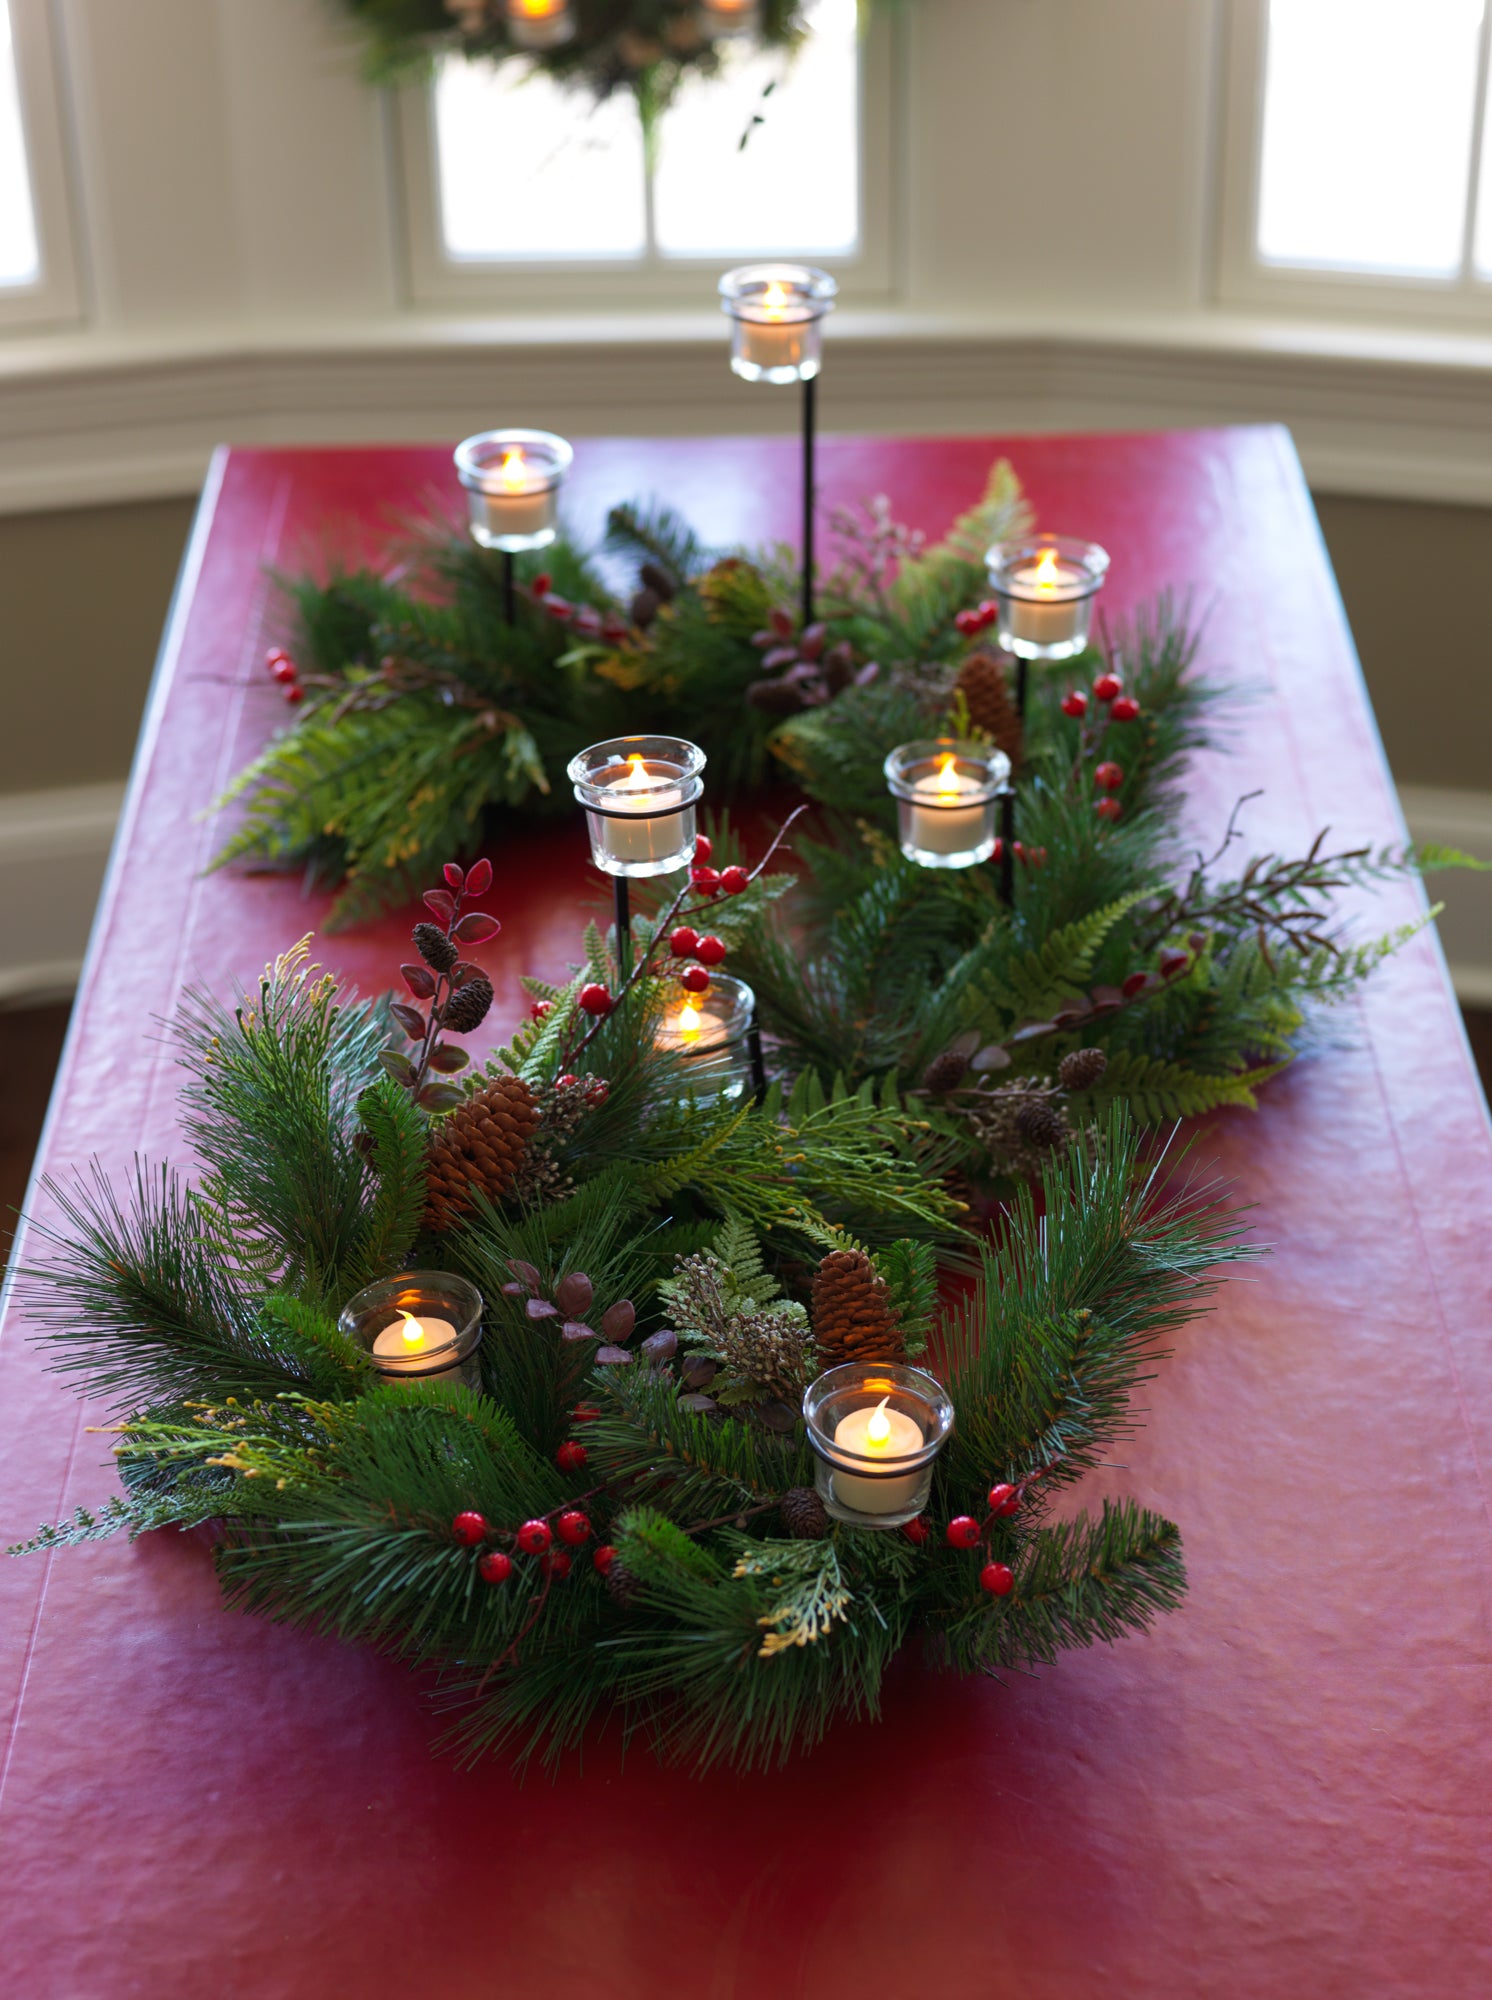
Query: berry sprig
{"points": [[585, 619], [972, 623], [965, 1531], [1109, 704], [280, 667], [458, 991]]}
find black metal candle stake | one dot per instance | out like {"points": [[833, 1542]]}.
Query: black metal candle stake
{"points": [[758, 1062], [622, 896], [1007, 848], [510, 605], [1022, 676], [810, 423]]}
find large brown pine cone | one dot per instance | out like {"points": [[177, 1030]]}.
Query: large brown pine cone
{"points": [[851, 1312], [981, 682], [480, 1146]]}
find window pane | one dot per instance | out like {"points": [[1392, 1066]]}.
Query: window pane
{"points": [[19, 263], [529, 170], [795, 185], [1367, 133]]}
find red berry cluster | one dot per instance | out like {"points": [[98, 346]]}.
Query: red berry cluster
{"points": [[684, 942], [1108, 692], [586, 619], [571, 1529], [1028, 857], [282, 668], [965, 1532], [972, 623]]}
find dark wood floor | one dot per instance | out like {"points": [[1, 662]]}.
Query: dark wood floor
{"points": [[31, 1041]]}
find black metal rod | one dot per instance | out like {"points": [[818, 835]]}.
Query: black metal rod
{"points": [[758, 1062], [1022, 674], [510, 604], [623, 899], [810, 421], [1007, 849]]}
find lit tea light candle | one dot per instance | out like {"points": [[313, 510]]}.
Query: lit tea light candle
{"points": [[639, 793], [408, 1342], [946, 794], [886, 1436], [776, 313], [710, 1030], [1045, 590], [722, 18], [875, 1433], [512, 481], [944, 824], [539, 24], [421, 1326]]}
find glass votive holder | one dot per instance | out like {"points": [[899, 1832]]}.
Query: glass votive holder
{"points": [[421, 1326], [1045, 587], [539, 24], [946, 793], [711, 1031], [875, 1433], [639, 794], [776, 315], [513, 481], [721, 19]]}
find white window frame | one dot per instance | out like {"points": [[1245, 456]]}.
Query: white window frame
{"points": [[1244, 278], [55, 297], [434, 279]]}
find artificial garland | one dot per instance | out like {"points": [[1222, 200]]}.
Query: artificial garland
{"points": [[622, 1517]]}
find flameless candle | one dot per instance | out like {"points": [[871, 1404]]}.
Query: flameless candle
{"points": [[942, 825], [639, 793], [406, 1340], [641, 826], [710, 1030], [1045, 590], [421, 1326], [539, 24], [776, 313], [513, 480], [885, 1435], [946, 793], [875, 1432]]}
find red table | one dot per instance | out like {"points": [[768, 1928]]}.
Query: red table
{"points": [[1283, 1791]]}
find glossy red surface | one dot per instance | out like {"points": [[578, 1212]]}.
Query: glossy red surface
{"points": [[1283, 1791]]}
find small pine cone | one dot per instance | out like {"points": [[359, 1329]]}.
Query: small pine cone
{"points": [[480, 1146], [622, 1584], [804, 1514], [852, 1312], [1039, 1125], [467, 1007], [435, 947], [945, 1072], [981, 682], [656, 579], [1082, 1069], [644, 607]]}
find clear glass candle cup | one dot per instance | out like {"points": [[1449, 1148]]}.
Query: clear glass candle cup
{"points": [[711, 1031], [1045, 587], [720, 19], [448, 1313], [639, 794], [867, 1486], [946, 794], [777, 314], [512, 481], [539, 24]]}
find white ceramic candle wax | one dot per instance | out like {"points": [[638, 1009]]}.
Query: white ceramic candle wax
{"points": [[405, 1345], [638, 787], [944, 826], [518, 502], [773, 340], [728, 17], [877, 1432], [1038, 608], [693, 1028]]}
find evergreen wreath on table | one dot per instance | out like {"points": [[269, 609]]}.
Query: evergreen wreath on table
{"points": [[622, 1518]]}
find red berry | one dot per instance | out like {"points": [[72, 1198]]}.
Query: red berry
{"points": [[694, 979], [703, 848], [277, 657], [1173, 962], [541, 584], [294, 695], [705, 880], [285, 669], [1109, 776], [1109, 809], [534, 1537], [564, 1082], [559, 608], [1107, 686], [570, 1457], [1136, 983], [734, 880], [603, 1558], [1125, 708], [541, 1010], [1037, 857], [469, 1529], [584, 1413], [1004, 1498], [599, 1091], [1075, 704], [573, 1527], [710, 951], [495, 1567], [596, 1000], [1018, 849], [555, 1563], [967, 622], [916, 1531], [989, 611], [997, 852], [997, 1579], [962, 1532], [683, 941]]}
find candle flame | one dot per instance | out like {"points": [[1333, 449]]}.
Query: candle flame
{"points": [[775, 300], [878, 1430], [414, 1332], [689, 1022], [513, 470], [948, 781], [535, 10], [636, 777], [1048, 571]]}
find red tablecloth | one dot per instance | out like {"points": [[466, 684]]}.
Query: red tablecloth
{"points": [[1282, 1791]]}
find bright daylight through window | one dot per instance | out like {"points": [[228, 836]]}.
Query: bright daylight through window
{"points": [[1372, 125], [20, 263], [528, 171]]}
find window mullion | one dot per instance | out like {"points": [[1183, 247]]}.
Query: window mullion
{"points": [[1478, 140]]}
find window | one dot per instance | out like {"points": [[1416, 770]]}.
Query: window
{"points": [[37, 279], [522, 191], [1358, 164]]}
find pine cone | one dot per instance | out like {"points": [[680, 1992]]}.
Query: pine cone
{"points": [[981, 682], [467, 1007], [1039, 1125], [621, 1584], [852, 1312], [435, 947], [1082, 1069], [480, 1146], [945, 1072], [804, 1514], [656, 579]]}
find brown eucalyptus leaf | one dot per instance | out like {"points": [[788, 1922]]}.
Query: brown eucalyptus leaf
{"points": [[576, 1329], [541, 1309], [439, 1097], [996, 1056], [662, 1345], [1031, 1031], [447, 1058], [441, 902], [618, 1321], [573, 1295], [613, 1357], [525, 1273], [410, 1019], [702, 1406], [776, 1415], [1107, 999], [698, 1371], [475, 927], [419, 979], [399, 1067]]}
